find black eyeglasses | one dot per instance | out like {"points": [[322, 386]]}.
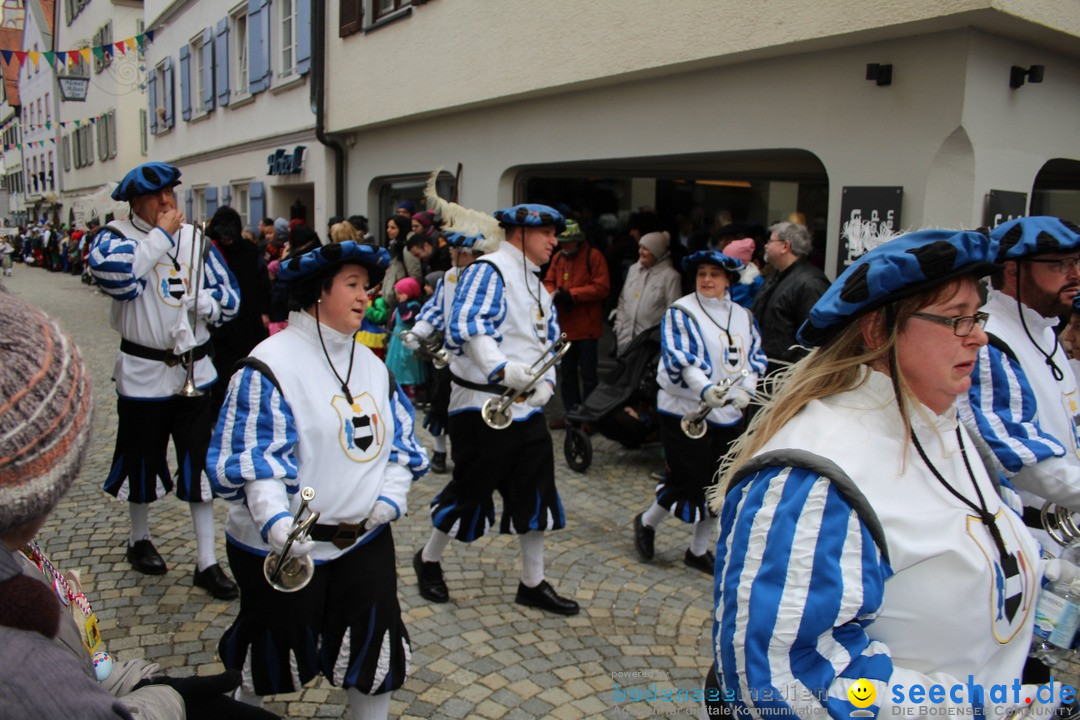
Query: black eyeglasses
{"points": [[1060, 267], [961, 325]]}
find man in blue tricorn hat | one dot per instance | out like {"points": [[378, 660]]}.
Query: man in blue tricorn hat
{"points": [[167, 286]]}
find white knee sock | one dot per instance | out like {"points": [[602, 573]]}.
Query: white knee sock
{"points": [[532, 558], [433, 551], [202, 517], [140, 522], [248, 698], [653, 516], [704, 531], [439, 443], [368, 707]]}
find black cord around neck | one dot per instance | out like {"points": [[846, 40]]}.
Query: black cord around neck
{"points": [[1054, 369], [352, 356]]}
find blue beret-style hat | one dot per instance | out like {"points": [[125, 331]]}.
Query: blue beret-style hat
{"points": [[714, 257], [531, 215], [146, 178], [1034, 235], [462, 240], [897, 269], [332, 255]]}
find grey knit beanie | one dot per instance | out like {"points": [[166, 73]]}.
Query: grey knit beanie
{"points": [[45, 413], [657, 243]]}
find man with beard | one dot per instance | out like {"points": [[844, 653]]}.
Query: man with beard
{"points": [[1024, 400]]}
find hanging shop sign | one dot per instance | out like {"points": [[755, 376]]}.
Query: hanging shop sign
{"points": [[878, 205], [1003, 206]]}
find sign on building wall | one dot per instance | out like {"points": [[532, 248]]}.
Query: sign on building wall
{"points": [[878, 205], [1003, 206], [282, 164]]}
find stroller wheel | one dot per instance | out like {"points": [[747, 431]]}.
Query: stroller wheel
{"points": [[578, 449]]}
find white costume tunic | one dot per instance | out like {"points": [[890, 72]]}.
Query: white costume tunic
{"points": [[145, 271], [706, 341], [805, 601], [496, 317], [270, 441], [1028, 417]]}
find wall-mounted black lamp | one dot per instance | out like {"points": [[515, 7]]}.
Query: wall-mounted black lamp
{"points": [[1017, 74], [881, 74]]}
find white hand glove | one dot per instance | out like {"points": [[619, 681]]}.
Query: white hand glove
{"points": [[278, 535], [713, 395], [540, 394], [410, 340], [182, 335], [516, 375], [737, 397], [381, 514], [204, 303]]}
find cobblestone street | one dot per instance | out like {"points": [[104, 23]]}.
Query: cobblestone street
{"points": [[481, 655]]}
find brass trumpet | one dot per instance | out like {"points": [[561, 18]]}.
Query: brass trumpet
{"points": [[1059, 523], [289, 574], [496, 411], [198, 239], [693, 424], [431, 347]]}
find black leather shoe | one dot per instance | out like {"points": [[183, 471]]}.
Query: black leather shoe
{"points": [[544, 597], [214, 580], [145, 558], [643, 538], [438, 463], [430, 580], [705, 563]]}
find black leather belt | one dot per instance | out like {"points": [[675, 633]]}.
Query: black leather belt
{"points": [[492, 388], [166, 356], [342, 535]]}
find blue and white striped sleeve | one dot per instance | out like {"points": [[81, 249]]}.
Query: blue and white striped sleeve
{"points": [[798, 580], [682, 351], [120, 264], [1001, 407], [219, 281], [432, 312], [255, 438], [479, 306], [756, 356], [408, 458]]}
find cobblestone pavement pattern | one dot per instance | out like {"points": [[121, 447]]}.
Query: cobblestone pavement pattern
{"points": [[480, 656]]}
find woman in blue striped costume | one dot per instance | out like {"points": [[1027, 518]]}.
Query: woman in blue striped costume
{"points": [[861, 536]]}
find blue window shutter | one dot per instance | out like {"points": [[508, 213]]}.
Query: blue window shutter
{"points": [[207, 51], [257, 198], [167, 93], [303, 36], [151, 85], [221, 60], [226, 196], [189, 204], [258, 45], [211, 201], [185, 82]]}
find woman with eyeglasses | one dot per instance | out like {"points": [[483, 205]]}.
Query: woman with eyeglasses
{"points": [[861, 536]]}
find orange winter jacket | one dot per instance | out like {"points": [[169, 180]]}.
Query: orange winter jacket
{"points": [[585, 275]]}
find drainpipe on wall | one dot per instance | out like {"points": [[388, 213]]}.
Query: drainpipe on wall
{"points": [[318, 97]]}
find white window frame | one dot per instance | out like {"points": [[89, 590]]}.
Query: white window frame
{"points": [[197, 77], [288, 19], [241, 201], [159, 73], [238, 46], [103, 36], [198, 204]]}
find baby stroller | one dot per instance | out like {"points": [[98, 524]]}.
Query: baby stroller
{"points": [[623, 405]]}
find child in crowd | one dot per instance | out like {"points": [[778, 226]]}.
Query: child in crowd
{"points": [[408, 369]]}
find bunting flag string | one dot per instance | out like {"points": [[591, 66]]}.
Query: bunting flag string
{"points": [[64, 59], [50, 124], [62, 124]]}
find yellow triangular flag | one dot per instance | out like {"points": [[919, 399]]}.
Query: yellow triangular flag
{"points": [[130, 42], [35, 57], [85, 52]]}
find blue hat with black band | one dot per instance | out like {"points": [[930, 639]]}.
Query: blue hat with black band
{"points": [[330, 256], [531, 215], [146, 178], [1026, 236], [713, 257], [910, 264]]}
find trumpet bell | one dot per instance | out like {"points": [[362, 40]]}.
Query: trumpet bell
{"points": [[189, 389], [294, 573], [494, 415], [693, 430]]}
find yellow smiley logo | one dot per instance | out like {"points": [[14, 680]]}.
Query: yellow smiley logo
{"points": [[862, 693]]}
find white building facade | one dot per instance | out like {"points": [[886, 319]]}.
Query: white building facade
{"points": [[38, 98]]}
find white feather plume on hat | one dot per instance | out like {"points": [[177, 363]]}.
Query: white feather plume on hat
{"points": [[865, 235], [455, 218]]}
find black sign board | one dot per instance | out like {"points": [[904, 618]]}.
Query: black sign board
{"points": [[1003, 206], [878, 205], [282, 164]]}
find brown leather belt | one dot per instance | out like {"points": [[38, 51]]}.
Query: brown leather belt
{"points": [[342, 535]]}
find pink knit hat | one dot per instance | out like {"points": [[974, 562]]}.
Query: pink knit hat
{"points": [[409, 287], [741, 249]]}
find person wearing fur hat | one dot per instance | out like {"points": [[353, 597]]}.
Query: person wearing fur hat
{"points": [[409, 369], [464, 249], [502, 321], [856, 514], [143, 264], [55, 660], [651, 285], [313, 408], [710, 353], [1024, 400]]}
